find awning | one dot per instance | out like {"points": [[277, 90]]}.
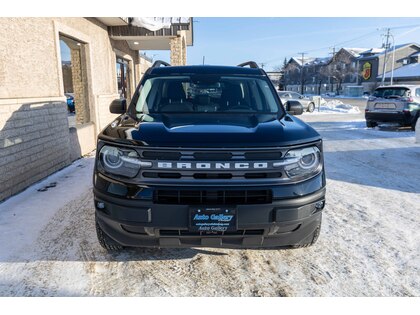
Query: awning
{"points": [[157, 23]]}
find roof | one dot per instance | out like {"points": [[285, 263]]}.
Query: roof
{"points": [[306, 60], [320, 61], [396, 86], [206, 69], [372, 51], [355, 52], [389, 50], [408, 71]]}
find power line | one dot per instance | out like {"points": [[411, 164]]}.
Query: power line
{"points": [[334, 45], [370, 34], [345, 42]]}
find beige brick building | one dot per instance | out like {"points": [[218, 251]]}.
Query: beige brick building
{"points": [[37, 134]]}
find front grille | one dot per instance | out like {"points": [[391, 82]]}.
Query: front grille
{"points": [[263, 175], [161, 155], [206, 233], [263, 155], [213, 197], [161, 175], [191, 165], [212, 176], [212, 156]]}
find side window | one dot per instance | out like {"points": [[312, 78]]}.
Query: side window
{"points": [[418, 92]]}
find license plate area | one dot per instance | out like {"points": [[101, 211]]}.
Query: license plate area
{"points": [[385, 106], [213, 219]]}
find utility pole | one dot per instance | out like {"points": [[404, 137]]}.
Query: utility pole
{"points": [[301, 71], [357, 71], [333, 53], [393, 60], [332, 61], [387, 35], [204, 58]]}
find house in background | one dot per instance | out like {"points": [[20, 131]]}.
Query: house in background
{"points": [[94, 60], [293, 77], [409, 74], [277, 78], [371, 63], [350, 71]]}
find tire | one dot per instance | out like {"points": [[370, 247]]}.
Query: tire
{"points": [[311, 239], [371, 124], [106, 242], [311, 107], [414, 122]]}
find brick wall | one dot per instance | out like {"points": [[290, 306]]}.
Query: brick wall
{"points": [[79, 87], [35, 139], [178, 50], [34, 142]]}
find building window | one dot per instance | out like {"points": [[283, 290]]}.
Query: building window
{"points": [[122, 77], [73, 66]]}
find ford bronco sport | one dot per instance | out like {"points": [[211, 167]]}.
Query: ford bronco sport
{"points": [[207, 156]]}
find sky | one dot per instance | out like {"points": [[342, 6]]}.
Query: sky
{"points": [[230, 41]]}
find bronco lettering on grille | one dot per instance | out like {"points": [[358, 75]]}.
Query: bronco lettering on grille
{"points": [[215, 165]]}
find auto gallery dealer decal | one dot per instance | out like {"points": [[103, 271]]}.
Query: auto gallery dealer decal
{"points": [[367, 70]]}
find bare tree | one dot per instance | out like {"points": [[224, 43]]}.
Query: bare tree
{"points": [[341, 69]]}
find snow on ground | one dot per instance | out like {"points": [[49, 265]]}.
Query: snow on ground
{"points": [[369, 243], [334, 107]]}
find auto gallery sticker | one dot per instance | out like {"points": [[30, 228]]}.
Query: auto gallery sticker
{"points": [[220, 221], [367, 70]]}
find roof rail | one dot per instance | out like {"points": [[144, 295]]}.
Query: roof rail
{"points": [[251, 64], [158, 63]]}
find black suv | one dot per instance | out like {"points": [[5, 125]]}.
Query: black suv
{"points": [[394, 103], [208, 156]]}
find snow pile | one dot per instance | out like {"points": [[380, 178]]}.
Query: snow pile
{"points": [[335, 107]]}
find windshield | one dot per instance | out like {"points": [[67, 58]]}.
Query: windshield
{"points": [[391, 92], [206, 94]]}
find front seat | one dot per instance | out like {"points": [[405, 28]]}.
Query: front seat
{"points": [[175, 100], [231, 97]]}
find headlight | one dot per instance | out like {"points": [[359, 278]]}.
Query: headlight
{"points": [[120, 161], [302, 163]]}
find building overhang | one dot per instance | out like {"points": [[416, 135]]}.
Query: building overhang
{"points": [[113, 21], [140, 38]]}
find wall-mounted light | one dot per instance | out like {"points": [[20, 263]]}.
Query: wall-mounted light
{"points": [[136, 43]]}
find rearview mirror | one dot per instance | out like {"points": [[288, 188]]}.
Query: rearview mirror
{"points": [[118, 106], [294, 108]]}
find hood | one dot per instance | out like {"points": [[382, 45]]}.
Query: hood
{"points": [[210, 131]]}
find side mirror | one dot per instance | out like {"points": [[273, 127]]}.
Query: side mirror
{"points": [[118, 106], [301, 96], [294, 108]]}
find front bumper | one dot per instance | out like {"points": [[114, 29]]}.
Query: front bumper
{"points": [[144, 223]]}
